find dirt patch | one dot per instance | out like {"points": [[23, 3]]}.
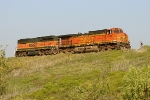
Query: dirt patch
{"points": [[141, 50]]}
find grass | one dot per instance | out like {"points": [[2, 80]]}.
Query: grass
{"points": [[87, 76]]}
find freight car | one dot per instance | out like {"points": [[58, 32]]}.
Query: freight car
{"points": [[93, 41]]}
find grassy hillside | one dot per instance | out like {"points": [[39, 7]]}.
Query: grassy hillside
{"points": [[110, 75]]}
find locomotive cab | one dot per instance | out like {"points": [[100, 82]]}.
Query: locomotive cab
{"points": [[108, 32], [120, 37]]}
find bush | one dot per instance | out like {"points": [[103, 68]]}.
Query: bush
{"points": [[137, 84], [2, 72]]}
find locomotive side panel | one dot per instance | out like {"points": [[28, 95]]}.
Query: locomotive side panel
{"points": [[99, 38], [37, 46], [86, 40], [75, 41]]}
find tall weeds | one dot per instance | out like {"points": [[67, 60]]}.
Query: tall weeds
{"points": [[88, 76], [3, 70], [137, 84]]}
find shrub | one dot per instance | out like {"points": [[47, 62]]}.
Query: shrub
{"points": [[137, 84], [2, 72]]}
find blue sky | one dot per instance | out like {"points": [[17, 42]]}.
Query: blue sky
{"points": [[33, 18]]}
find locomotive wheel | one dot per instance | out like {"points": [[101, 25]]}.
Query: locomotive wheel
{"points": [[41, 52], [19, 54], [103, 49], [117, 47], [24, 54], [47, 52], [122, 48], [55, 52], [50, 52], [128, 47], [73, 51], [109, 48], [64, 51]]}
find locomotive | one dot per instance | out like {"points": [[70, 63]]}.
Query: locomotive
{"points": [[93, 41]]}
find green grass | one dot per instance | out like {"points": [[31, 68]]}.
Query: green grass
{"points": [[87, 76]]}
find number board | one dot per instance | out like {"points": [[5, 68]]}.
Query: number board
{"points": [[32, 44]]}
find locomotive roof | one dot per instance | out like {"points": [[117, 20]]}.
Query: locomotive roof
{"points": [[52, 36], [28, 40], [37, 39], [66, 35], [97, 31], [45, 38]]}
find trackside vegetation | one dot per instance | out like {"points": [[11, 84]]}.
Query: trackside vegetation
{"points": [[109, 75], [3, 72]]}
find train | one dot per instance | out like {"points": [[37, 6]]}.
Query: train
{"points": [[92, 41]]}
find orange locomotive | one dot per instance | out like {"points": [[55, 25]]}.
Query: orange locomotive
{"points": [[37, 46], [93, 41]]}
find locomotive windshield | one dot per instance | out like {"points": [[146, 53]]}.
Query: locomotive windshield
{"points": [[116, 31], [121, 31]]}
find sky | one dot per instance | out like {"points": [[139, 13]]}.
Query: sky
{"points": [[33, 18]]}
